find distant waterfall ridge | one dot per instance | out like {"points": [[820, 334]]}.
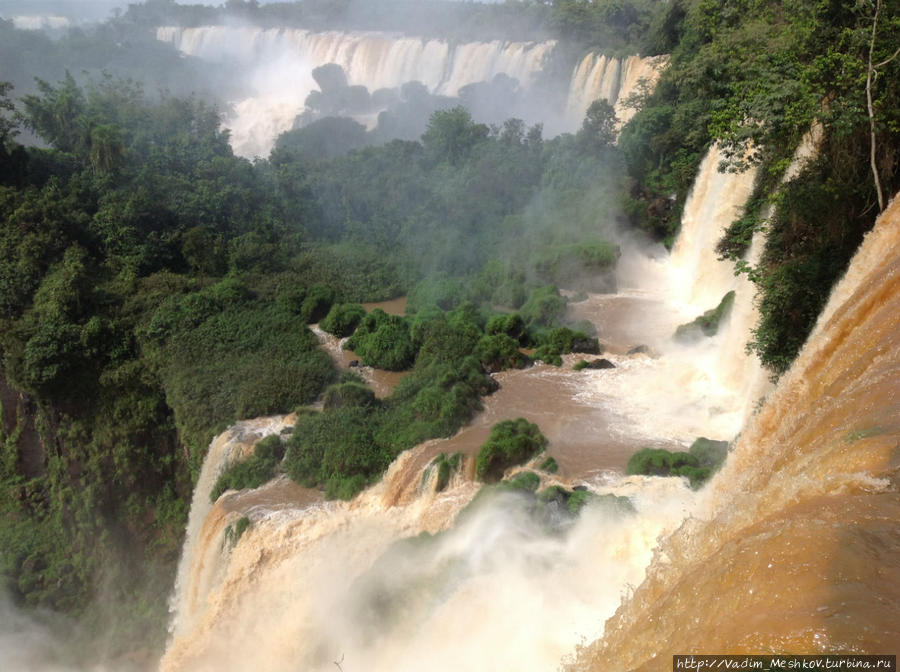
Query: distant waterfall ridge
{"points": [[280, 62]]}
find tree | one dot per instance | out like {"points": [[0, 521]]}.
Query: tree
{"points": [[451, 135], [56, 115], [7, 124], [598, 130], [871, 76]]}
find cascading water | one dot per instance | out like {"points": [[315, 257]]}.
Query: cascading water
{"points": [[312, 584], [198, 562], [795, 545], [598, 76], [305, 587], [280, 63], [700, 389]]}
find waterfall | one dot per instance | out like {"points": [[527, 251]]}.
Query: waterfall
{"points": [[279, 61], [795, 545], [598, 76], [306, 588], [198, 562], [791, 547]]}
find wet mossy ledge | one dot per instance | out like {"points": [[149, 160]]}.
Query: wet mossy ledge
{"points": [[707, 324], [701, 461]]}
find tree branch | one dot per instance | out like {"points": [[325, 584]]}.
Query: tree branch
{"points": [[869, 72]]}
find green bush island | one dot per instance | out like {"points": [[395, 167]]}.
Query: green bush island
{"points": [[383, 341], [510, 442]]}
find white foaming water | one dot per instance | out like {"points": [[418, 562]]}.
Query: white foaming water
{"points": [[235, 443], [598, 76], [40, 22], [280, 63], [706, 388], [320, 585]]}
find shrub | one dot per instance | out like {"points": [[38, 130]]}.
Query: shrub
{"points": [[446, 340], [343, 318], [257, 469], [316, 303], [335, 449], [525, 480], [348, 394], [567, 340], [498, 352], [510, 324], [383, 341], [510, 442], [549, 355], [698, 465], [545, 307], [549, 465]]}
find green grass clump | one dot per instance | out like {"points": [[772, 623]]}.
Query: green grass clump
{"points": [[549, 465], [511, 442]]}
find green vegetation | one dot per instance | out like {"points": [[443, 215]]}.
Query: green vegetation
{"points": [[549, 465], [446, 466], [703, 458], [706, 324], [382, 341], [510, 442], [343, 319], [253, 472], [155, 288], [235, 530], [755, 75]]}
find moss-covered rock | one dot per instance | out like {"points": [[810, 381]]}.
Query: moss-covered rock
{"points": [[708, 323], [593, 364]]}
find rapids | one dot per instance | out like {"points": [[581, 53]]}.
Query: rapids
{"points": [[795, 545], [314, 583]]}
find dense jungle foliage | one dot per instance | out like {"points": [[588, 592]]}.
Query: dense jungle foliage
{"points": [[154, 287], [756, 76]]}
